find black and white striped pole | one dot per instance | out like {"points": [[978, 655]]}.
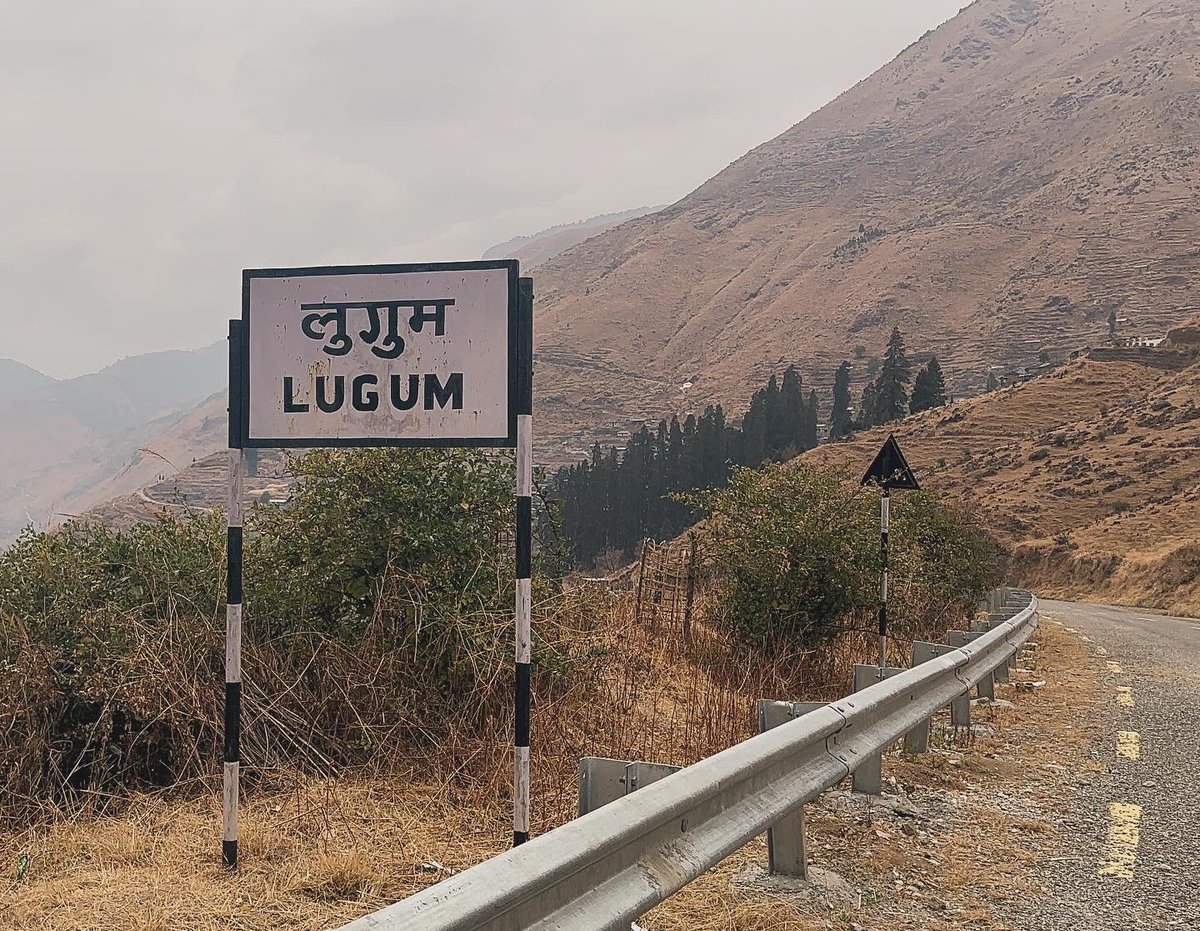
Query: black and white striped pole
{"points": [[885, 503], [233, 609], [524, 572], [888, 471]]}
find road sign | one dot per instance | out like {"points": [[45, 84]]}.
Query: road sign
{"points": [[889, 472], [380, 355], [890, 469]]}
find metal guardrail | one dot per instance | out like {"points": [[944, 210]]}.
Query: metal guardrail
{"points": [[603, 870]]}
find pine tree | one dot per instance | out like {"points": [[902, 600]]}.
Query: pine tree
{"points": [[937, 380], [612, 500], [839, 417], [615, 526], [634, 483], [810, 437], [891, 386], [711, 449], [792, 413], [776, 438], [929, 390], [920, 399], [993, 382], [692, 469], [752, 446], [868, 408], [723, 448]]}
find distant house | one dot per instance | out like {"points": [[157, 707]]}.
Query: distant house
{"points": [[1139, 342]]}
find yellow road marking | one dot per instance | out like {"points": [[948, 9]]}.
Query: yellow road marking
{"points": [[1124, 835], [1100, 651], [1125, 696], [1086, 639], [1114, 667], [1129, 744]]}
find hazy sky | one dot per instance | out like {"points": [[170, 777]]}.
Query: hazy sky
{"points": [[151, 149]]}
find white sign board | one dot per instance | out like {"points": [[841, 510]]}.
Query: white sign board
{"points": [[380, 355]]}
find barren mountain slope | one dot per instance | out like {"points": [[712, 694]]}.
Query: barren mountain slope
{"points": [[1089, 476], [1000, 187]]}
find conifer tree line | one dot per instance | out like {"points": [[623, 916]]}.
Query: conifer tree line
{"points": [[614, 499]]}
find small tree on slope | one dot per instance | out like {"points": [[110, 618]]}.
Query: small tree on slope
{"points": [[839, 417], [929, 390], [891, 385]]}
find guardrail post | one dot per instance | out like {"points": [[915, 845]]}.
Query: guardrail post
{"points": [[960, 710], [603, 780], [868, 777], [786, 853], [600, 781], [917, 740], [640, 775], [1003, 671], [986, 687]]}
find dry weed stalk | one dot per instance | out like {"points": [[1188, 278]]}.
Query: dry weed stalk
{"points": [[667, 686]]}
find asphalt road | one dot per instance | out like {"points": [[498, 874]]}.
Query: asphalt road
{"points": [[1136, 823]]}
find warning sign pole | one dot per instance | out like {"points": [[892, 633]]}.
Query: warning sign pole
{"points": [[885, 506], [888, 470]]}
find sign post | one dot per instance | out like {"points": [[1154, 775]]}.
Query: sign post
{"points": [[524, 598], [436, 355], [889, 471], [233, 607]]}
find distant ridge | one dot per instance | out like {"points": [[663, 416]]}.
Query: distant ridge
{"points": [[538, 248], [17, 377]]}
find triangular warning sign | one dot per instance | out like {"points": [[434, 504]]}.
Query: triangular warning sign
{"points": [[890, 469]]}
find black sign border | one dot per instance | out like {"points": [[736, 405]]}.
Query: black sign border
{"points": [[515, 361]]}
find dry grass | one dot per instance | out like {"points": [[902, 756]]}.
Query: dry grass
{"points": [[318, 852]]}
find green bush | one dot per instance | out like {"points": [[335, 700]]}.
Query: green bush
{"points": [[395, 529], [795, 555], [378, 614]]}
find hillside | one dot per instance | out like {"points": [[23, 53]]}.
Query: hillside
{"points": [[541, 247], [1088, 476], [74, 443], [1001, 187]]}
